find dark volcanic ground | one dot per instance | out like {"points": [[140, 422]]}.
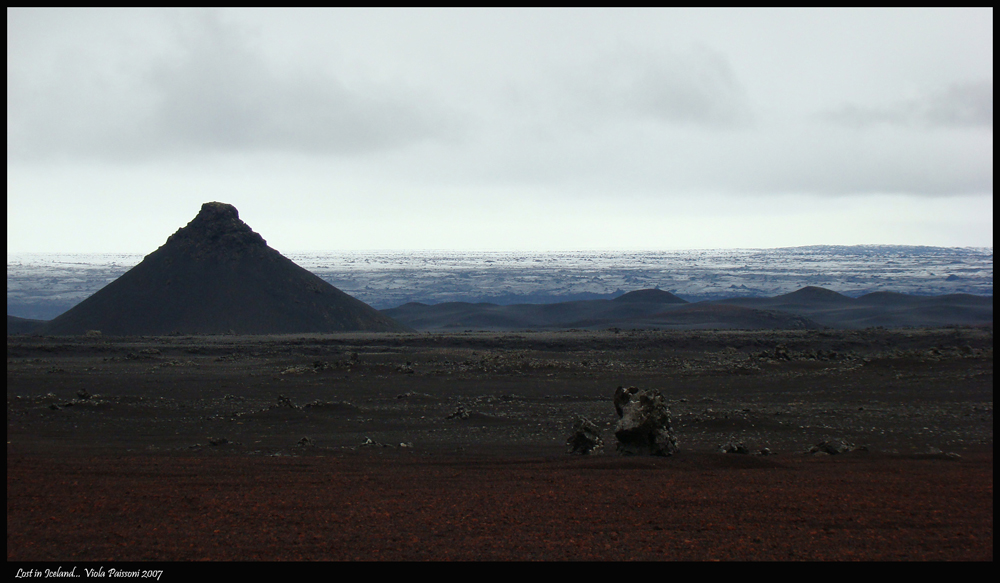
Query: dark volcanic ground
{"points": [[119, 430], [893, 390]]}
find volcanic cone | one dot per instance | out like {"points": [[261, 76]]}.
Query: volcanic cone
{"points": [[214, 276]]}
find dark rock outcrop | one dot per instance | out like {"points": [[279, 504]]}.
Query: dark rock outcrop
{"points": [[644, 423], [217, 276], [586, 438]]}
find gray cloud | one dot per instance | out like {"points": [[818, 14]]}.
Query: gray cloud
{"points": [[208, 91], [697, 87], [966, 104], [961, 105], [222, 95]]}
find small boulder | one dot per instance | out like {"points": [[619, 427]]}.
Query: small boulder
{"points": [[369, 442], [832, 447], [733, 446], [586, 438]]}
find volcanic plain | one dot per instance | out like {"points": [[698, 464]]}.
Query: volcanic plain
{"points": [[431, 446]]}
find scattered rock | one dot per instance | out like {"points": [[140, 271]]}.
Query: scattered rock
{"points": [[586, 438], [331, 405], [832, 447], [415, 396], [216, 441], [936, 453], [644, 423], [744, 368], [83, 394], [733, 446], [284, 401], [459, 413]]}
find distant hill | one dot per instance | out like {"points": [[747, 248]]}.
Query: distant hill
{"points": [[814, 296], [650, 308], [888, 309], [216, 275], [17, 325], [710, 316], [809, 307], [649, 296]]}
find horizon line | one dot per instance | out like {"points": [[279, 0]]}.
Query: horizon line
{"points": [[577, 250]]}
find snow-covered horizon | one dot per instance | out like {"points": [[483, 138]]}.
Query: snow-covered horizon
{"points": [[42, 285]]}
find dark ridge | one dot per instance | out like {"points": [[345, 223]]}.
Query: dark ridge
{"points": [[962, 299], [17, 325], [216, 276], [885, 298], [640, 309], [707, 315], [813, 293], [808, 308], [650, 295]]}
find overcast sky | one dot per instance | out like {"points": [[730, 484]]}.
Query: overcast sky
{"points": [[501, 129]]}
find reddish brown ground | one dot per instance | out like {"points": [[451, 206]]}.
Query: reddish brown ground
{"points": [[395, 506]]}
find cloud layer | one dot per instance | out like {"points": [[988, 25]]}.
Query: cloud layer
{"points": [[573, 107]]}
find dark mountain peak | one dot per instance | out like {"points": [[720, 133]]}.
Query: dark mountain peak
{"points": [[217, 231], [216, 275], [217, 212], [814, 293], [650, 295]]}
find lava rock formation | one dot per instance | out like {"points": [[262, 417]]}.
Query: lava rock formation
{"points": [[644, 423]]}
